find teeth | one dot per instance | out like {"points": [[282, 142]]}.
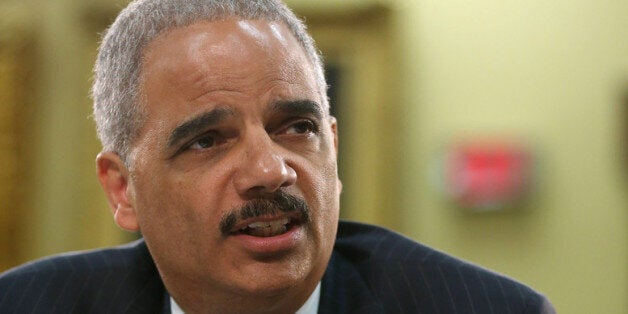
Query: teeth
{"points": [[267, 228], [269, 224]]}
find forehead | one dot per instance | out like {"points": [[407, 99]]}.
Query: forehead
{"points": [[224, 51]]}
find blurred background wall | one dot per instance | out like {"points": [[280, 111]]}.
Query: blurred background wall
{"points": [[411, 80]]}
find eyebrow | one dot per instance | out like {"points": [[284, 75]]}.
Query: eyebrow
{"points": [[198, 124], [298, 107]]}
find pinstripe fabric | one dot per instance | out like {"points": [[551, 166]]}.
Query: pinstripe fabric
{"points": [[117, 280], [372, 270]]}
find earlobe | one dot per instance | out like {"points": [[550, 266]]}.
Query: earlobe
{"points": [[113, 176]]}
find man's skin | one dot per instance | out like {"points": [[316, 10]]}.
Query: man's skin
{"points": [[233, 115]]}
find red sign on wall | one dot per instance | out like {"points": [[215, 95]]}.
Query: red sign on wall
{"points": [[487, 176]]}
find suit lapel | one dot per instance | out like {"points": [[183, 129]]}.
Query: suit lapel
{"points": [[343, 290], [146, 292]]}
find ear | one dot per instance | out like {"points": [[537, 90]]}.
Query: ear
{"points": [[113, 176], [334, 129]]}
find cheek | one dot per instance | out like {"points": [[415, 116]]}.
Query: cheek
{"points": [[164, 200], [329, 199], [190, 216], [324, 172], [192, 194], [190, 198], [324, 186]]}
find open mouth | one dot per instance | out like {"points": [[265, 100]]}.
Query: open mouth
{"points": [[267, 217], [267, 229]]}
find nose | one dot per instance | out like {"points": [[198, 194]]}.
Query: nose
{"points": [[262, 170]]}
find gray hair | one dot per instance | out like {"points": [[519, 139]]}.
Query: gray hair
{"points": [[117, 110]]}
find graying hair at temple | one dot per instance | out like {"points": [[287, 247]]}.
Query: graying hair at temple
{"points": [[117, 72]]}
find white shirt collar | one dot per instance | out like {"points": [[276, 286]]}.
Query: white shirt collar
{"points": [[309, 307]]}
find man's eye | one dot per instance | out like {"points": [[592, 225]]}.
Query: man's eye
{"points": [[203, 142], [302, 127]]}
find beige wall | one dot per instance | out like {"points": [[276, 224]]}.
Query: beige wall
{"points": [[63, 207], [548, 74]]}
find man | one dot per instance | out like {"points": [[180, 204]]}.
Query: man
{"points": [[219, 148]]}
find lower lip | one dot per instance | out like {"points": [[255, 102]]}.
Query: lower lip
{"points": [[271, 245]]}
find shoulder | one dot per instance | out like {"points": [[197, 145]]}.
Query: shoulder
{"points": [[127, 256], [410, 275], [77, 280]]}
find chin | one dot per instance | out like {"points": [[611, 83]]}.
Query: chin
{"points": [[277, 277], [278, 280]]}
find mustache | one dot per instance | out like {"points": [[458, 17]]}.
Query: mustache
{"points": [[280, 202]]}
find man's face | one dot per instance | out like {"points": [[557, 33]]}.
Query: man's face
{"points": [[234, 118]]}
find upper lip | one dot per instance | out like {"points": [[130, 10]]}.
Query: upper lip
{"points": [[293, 218]]}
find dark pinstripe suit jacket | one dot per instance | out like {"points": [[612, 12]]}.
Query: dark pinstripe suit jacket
{"points": [[372, 270]]}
